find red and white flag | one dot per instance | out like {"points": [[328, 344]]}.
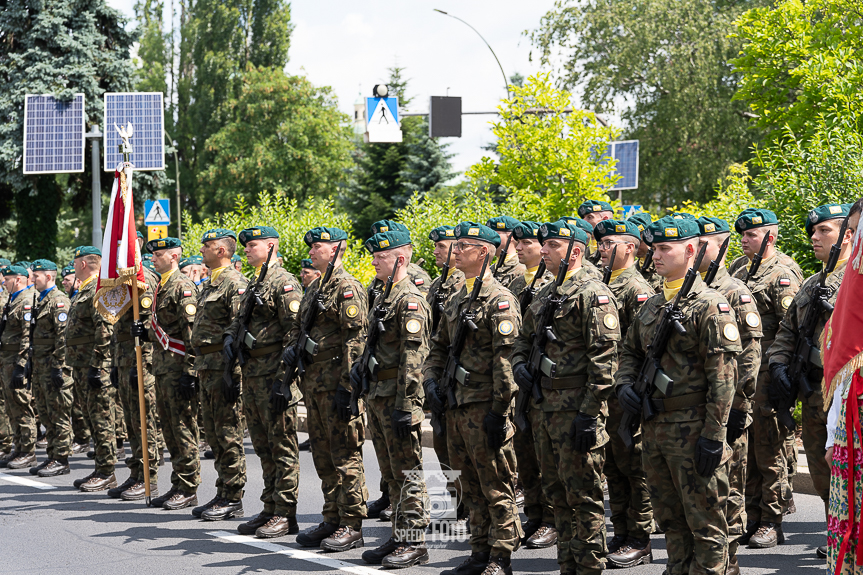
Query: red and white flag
{"points": [[121, 257]]}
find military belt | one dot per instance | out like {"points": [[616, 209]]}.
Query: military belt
{"points": [[383, 374], [327, 355], [571, 382], [10, 348], [80, 340], [208, 349], [479, 378], [42, 341], [680, 401], [265, 350], [121, 337]]}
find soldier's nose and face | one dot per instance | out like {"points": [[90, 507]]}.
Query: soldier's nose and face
{"points": [[553, 251], [321, 253], [42, 280], [824, 235], [383, 263], [441, 250], [528, 251], [257, 250], [751, 240], [594, 218], [209, 253]]}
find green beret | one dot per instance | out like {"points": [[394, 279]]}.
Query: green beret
{"points": [[477, 231], [217, 234], [258, 233], [140, 235], [526, 229], [387, 240], [43, 266], [146, 257], [824, 213], [235, 258], [14, 270], [4, 262], [561, 229], [82, 251], [591, 206], [641, 220], [442, 233], [185, 262], [24, 264], [752, 218], [709, 226], [616, 228], [163, 244], [669, 229], [502, 223], [382, 226], [306, 263], [324, 234], [149, 265], [579, 223], [279, 255], [683, 216], [67, 270]]}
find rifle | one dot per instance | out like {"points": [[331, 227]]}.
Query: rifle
{"points": [[251, 300], [756, 261], [651, 375], [306, 344], [606, 275], [453, 371], [714, 265], [368, 364], [807, 346], [648, 259], [4, 319], [538, 364], [526, 297], [437, 306], [28, 368], [502, 258]]}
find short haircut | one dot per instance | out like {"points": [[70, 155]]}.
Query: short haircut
{"points": [[230, 245]]}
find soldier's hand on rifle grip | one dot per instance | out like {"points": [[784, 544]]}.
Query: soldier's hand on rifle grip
{"points": [[736, 425], [495, 428], [583, 432], [133, 377], [356, 377], [18, 377], [188, 386], [278, 400], [114, 377], [342, 403], [401, 423], [228, 349], [629, 400], [289, 356], [708, 455], [779, 390], [94, 377], [138, 330], [433, 394], [57, 377], [522, 377]]}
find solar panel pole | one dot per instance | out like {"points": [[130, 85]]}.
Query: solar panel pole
{"points": [[177, 176], [95, 135]]}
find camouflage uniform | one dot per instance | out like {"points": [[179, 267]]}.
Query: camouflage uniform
{"points": [[274, 439], [588, 330], [486, 477], [509, 270], [49, 352], [223, 421], [400, 352], [748, 364], [174, 310], [6, 435], [653, 279], [88, 344], [336, 445], [689, 508], [125, 361], [81, 425], [767, 489], [742, 263], [418, 276], [628, 496], [13, 351], [536, 506]]}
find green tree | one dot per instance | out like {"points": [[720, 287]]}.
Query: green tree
{"points": [[668, 63], [281, 134], [58, 48]]}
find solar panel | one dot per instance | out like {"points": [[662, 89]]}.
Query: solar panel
{"points": [[147, 114], [53, 134], [626, 154]]}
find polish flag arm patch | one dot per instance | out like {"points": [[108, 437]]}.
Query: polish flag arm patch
{"points": [[723, 307], [642, 297], [61, 304], [745, 299], [503, 305], [602, 299], [785, 282], [349, 294], [419, 281], [289, 288], [412, 306], [187, 293]]}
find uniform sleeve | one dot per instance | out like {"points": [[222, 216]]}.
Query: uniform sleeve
{"points": [[436, 359], [294, 334], [631, 355], [505, 325], [188, 308], [601, 333], [521, 347], [783, 291], [782, 347], [353, 316], [101, 356], [288, 306], [720, 345], [415, 326], [59, 314], [749, 360], [25, 329]]}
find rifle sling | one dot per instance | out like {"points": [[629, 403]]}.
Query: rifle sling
{"points": [[571, 382], [679, 402]]}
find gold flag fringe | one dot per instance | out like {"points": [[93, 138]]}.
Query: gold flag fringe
{"points": [[828, 389]]}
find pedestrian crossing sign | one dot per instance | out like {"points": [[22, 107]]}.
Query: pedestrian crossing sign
{"points": [[382, 120], [157, 212]]}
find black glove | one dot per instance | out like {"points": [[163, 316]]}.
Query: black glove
{"points": [[495, 428], [736, 425], [133, 378], [231, 390], [113, 376], [708, 454], [188, 386], [228, 349], [138, 330], [356, 377], [522, 377], [436, 404], [94, 377], [289, 356], [401, 423], [57, 377], [583, 432], [629, 400], [342, 403], [279, 401], [19, 374], [779, 390]]}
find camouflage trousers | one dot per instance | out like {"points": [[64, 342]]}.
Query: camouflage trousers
{"points": [[690, 509], [814, 442], [81, 426], [101, 411], [130, 398], [6, 435], [19, 407], [735, 507], [223, 427], [628, 496], [767, 490], [536, 506], [485, 482], [572, 483], [180, 428], [337, 450], [37, 399], [55, 405], [119, 417], [397, 458]]}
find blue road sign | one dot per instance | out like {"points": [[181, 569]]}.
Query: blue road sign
{"points": [[157, 212], [630, 210], [382, 111]]}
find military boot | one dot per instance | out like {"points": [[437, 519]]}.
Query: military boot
{"points": [[519, 495], [114, 492], [343, 539], [55, 468], [498, 566], [22, 461], [197, 511], [160, 501], [751, 528], [376, 555], [768, 535], [180, 500], [305, 445], [313, 537], [277, 526], [226, 509], [617, 542], [40, 467], [633, 552], [7, 457], [407, 555], [138, 491], [386, 514], [81, 481], [378, 505], [251, 526], [99, 482], [80, 446], [821, 552], [529, 527], [473, 565], [544, 537]]}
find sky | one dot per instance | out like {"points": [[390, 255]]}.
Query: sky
{"points": [[350, 45]]}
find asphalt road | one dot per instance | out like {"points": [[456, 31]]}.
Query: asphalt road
{"points": [[47, 526]]}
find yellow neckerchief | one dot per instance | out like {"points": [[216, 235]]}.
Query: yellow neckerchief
{"points": [[216, 273], [570, 273], [530, 273], [670, 288], [616, 274], [86, 281], [840, 265], [591, 245], [703, 274], [166, 276], [468, 282]]}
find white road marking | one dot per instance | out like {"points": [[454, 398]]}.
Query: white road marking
{"points": [[316, 558], [26, 482]]}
